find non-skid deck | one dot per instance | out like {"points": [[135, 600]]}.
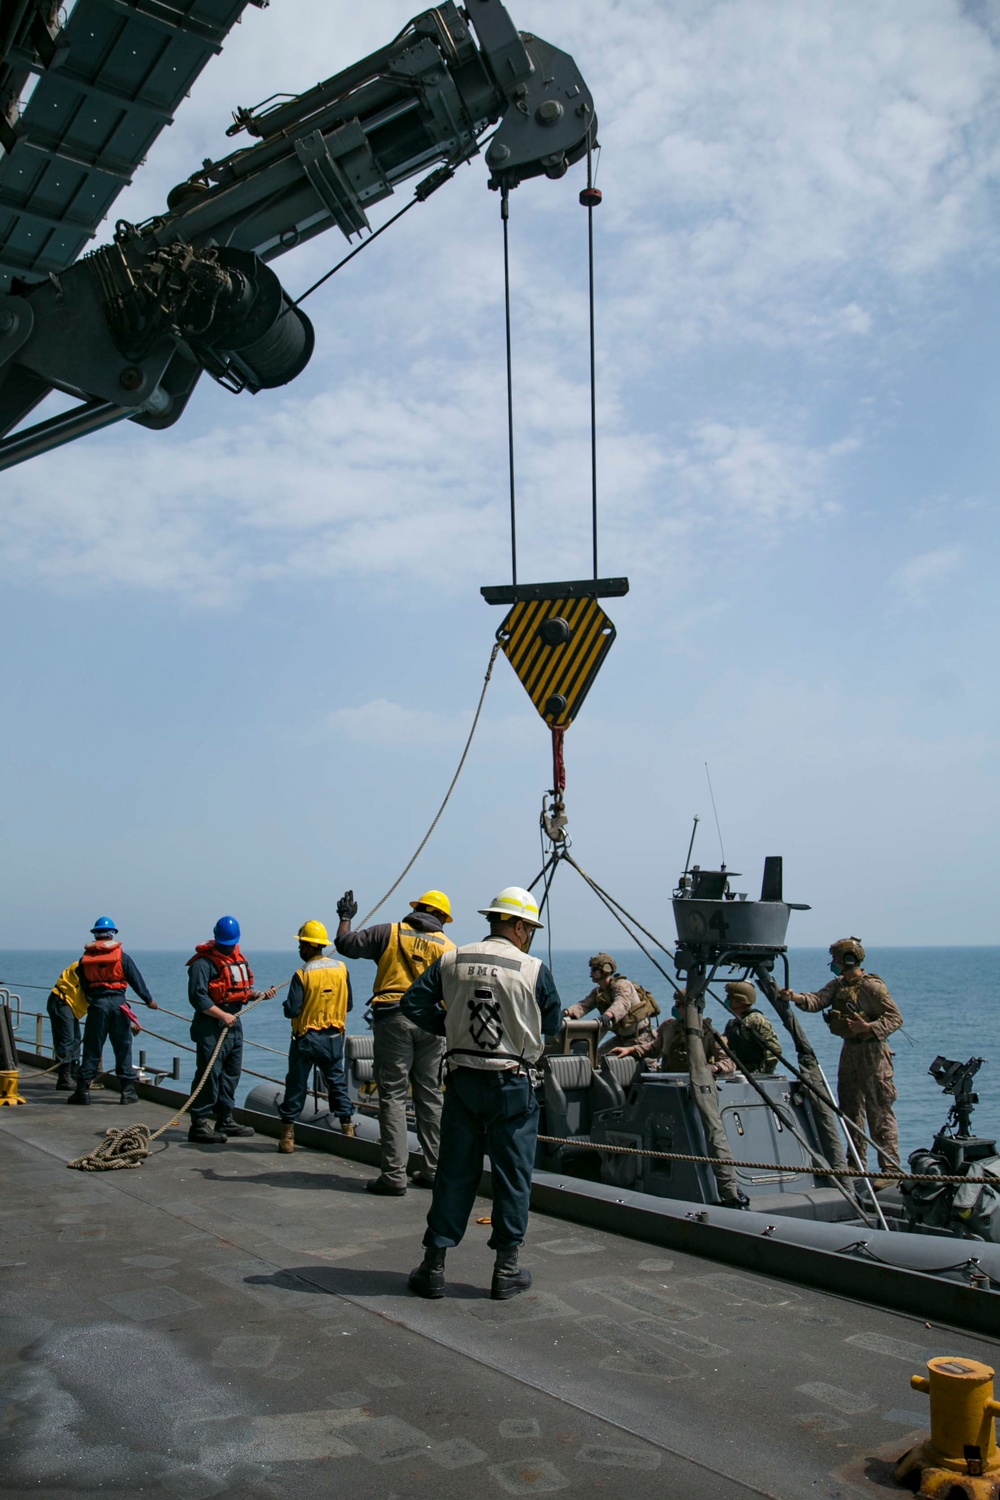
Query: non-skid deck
{"points": [[231, 1322]]}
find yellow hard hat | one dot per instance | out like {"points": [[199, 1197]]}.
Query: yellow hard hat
{"points": [[438, 900], [315, 933]]}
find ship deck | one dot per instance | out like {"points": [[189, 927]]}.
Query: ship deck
{"points": [[230, 1322]]}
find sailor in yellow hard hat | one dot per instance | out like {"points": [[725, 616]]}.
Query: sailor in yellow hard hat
{"points": [[317, 1003], [407, 1059]]}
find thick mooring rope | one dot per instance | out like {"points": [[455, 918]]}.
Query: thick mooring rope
{"points": [[126, 1148], [765, 1166]]}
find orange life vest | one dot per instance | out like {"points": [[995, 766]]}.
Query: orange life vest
{"points": [[232, 984], [102, 967]]}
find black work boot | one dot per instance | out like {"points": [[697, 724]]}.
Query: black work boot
{"points": [[507, 1279], [65, 1082], [428, 1278], [204, 1133], [228, 1126], [81, 1094], [128, 1093]]}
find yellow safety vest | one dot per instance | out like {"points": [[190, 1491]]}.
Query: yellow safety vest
{"points": [[406, 957], [68, 988], [325, 1001]]}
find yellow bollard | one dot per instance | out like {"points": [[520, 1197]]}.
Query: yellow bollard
{"points": [[959, 1460], [8, 1089]]}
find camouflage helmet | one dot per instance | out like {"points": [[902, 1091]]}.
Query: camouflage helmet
{"points": [[604, 962], [849, 947], [741, 989]]}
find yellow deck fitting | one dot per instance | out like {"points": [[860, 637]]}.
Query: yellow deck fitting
{"points": [[8, 1089], [959, 1460]]}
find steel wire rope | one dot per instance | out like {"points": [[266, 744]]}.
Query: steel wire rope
{"points": [[505, 219], [593, 355], [421, 193]]}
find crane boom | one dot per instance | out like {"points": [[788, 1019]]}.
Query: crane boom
{"points": [[129, 328]]}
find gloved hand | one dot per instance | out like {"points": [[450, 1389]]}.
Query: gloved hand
{"points": [[347, 907]]}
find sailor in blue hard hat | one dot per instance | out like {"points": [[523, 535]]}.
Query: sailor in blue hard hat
{"points": [[106, 973], [220, 983]]}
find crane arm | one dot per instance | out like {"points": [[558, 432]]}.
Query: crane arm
{"points": [[130, 328]]}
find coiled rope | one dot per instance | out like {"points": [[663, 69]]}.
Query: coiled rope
{"points": [[122, 1149]]}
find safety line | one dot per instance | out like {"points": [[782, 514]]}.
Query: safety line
{"points": [[447, 796], [178, 1017]]}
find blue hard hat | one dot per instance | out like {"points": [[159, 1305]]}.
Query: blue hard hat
{"points": [[104, 924], [227, 932]]}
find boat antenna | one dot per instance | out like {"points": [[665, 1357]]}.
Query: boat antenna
{"points": [[716, 812], [694, 830]]}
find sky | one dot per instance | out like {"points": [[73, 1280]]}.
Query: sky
{"points": [[243, 654]]}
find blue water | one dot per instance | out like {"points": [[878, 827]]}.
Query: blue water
{"points": [[948, 996]]}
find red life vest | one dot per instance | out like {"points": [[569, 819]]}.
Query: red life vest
{"points": [[232, 985], [102, 967]]}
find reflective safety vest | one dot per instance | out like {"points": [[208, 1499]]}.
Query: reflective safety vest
{"points": [[492, 1019], [232, 984], [324, 981], [102, 967], [70, 991], [407, 955]]}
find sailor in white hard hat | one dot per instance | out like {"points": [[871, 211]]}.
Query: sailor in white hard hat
{"points": [[494, 1004]]}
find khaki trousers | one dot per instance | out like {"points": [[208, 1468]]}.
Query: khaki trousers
{"points": [[407, 1057], [866, 1092]]}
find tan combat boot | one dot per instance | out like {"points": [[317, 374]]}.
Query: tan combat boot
{"points": [[347, 1128], [286, 1140]]}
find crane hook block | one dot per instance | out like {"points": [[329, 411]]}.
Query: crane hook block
{"points": [[590, 197], [556, 638]]}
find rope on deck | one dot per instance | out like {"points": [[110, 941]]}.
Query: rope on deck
{"points": [[121, 1149]]}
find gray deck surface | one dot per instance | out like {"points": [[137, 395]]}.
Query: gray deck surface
{"points": [[231, 1322]]}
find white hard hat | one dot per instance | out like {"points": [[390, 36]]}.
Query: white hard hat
{"points": [[514, 901]]}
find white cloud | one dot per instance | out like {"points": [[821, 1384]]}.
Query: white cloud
{"points": [[920, 576], [382, 723]]}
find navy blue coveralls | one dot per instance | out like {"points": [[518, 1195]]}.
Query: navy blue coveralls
{"points": [[315, 1049], [218, 1097], [66, 1033], [107, 1021], [486, 1112]]}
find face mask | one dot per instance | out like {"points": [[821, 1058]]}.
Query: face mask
{"points": [[677, 1011], [835, 969]]}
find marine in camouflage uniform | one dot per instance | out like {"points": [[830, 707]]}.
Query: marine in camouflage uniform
{"points": [[859, 1009], [623, 1011], [668, 1046], [749, 1036]]}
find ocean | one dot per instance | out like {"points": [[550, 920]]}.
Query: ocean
{"points": [[948, 997]]}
